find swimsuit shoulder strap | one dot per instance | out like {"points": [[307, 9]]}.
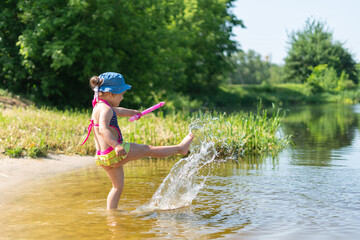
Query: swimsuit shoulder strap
{"points": [[94, 102], [105, 103]]}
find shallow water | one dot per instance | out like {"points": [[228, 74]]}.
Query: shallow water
{"points": [[310, 191]]}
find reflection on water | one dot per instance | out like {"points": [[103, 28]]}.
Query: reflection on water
{"points": [[308, 192], [318, 131]]}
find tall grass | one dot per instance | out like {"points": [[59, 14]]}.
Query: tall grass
{"points": [[246, 133], [34, 132]]}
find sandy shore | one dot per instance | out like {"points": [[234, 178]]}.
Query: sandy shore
{"points": [[16, 172]]}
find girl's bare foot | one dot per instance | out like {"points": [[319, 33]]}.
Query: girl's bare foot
{"points": [[184, 145]]}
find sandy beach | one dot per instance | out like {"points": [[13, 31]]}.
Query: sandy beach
{"points": [[16, 172]]}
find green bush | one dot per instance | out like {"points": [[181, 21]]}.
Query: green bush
{"points": [[344, 83], [325, 79]]}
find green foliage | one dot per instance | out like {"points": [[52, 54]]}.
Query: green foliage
{"points": [[235, 97], [15, 152], [178, 101], [313, 46], [344, 82], [324, 78], [249, 68], [50, 48], [12, 73], [35, 152], [63, 131], [243, 134], [5, 93], [276, 74]]}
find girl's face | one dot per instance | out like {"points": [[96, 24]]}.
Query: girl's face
{"points": [[118, 98]]}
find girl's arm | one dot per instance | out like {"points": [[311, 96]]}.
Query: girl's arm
{"points": [[124, 112]]}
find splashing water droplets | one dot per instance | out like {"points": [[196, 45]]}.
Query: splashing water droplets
{"points": [[186, 178]]}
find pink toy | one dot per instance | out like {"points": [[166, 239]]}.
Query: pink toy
{"points": [[150, 109]]}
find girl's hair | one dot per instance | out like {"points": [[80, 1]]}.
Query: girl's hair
{"points": [[95, 81]]}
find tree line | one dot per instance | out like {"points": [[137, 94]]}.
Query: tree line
{"points": [[50, 48], [314, 58], [177, 49]]}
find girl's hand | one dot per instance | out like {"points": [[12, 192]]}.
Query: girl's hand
{"points": [[138, 113], [120, 151]]}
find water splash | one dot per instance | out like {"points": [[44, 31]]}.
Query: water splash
{"points": [[186, 178]]}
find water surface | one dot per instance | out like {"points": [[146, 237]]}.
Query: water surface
{"points": [[310, 191]]}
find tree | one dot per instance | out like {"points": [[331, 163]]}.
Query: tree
{"points": [[11, 71], [313, 46], [210, 45], [66, 42], [276, 74], [251, 69], [159, 46]]}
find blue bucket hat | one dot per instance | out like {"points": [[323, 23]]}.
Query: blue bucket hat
{"points": [[113, 82]]}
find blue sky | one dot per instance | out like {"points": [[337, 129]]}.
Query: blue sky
{"points": [[268, 23]]}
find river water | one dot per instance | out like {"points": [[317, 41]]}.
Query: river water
{"points": [[309, 191]]}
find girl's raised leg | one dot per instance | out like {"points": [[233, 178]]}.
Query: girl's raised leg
{"points": [[138, 151]]}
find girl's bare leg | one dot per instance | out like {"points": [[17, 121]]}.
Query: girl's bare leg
{"points": [[138, 151], [116, 176]]}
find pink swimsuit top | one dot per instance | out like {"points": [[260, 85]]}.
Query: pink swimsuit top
{"points": [[113, 123]]}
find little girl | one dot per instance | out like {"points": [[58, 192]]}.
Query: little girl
{"points": [[111, 150]]}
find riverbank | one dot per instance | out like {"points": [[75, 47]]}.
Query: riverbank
{"points": [[16, 172], [234, 97], [32, 131]]}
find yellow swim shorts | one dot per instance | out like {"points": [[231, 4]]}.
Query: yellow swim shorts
{"points": [[108, 157]]}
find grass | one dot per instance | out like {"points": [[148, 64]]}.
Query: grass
{"points": [[35, 132], [15, 152], [245, 133]]}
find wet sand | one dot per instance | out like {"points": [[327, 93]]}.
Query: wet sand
{"points": [[17, 172]]}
